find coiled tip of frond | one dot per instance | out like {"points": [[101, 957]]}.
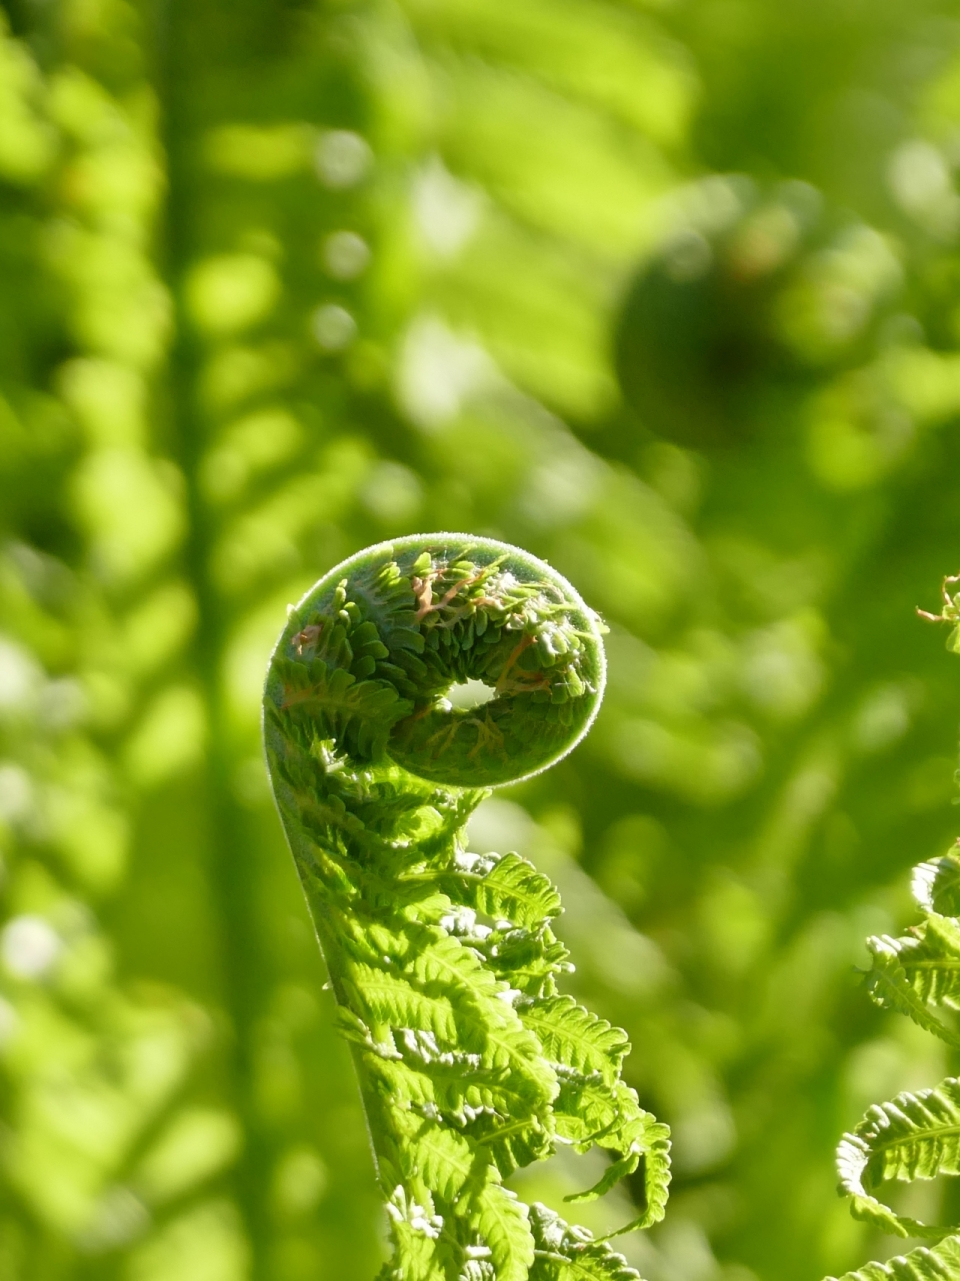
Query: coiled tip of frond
{"points": [[370, 654]]}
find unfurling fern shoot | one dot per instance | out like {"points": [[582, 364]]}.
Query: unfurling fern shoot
{"points": [[443, 962]]}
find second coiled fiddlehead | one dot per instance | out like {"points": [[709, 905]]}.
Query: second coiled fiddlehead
{"points": [[443, 962]]}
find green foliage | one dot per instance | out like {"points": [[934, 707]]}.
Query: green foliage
{"points": [[917, 1134], [567, 1253], [938, 1264], [442, 961], [281, 281]]}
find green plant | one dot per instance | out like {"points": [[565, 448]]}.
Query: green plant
{"points": [[917, 1134], [443, 962]]}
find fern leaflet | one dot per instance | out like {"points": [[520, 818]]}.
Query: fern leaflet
{"points": [[915, 1136]]}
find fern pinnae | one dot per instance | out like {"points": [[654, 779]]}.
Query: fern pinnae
{"points": [[939, 1263], [890, 985], [565, 1253], [917, 1134], [443, 963], [936, 884], [929, 957], [914, 1136]]}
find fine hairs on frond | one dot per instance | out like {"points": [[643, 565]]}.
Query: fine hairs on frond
{"points": [[443, 962], [917, 1134]]}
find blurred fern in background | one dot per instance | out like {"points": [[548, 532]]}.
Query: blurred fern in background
{"points": [[668, 294]]}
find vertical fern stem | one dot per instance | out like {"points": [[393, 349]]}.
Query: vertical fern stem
{"points": [[443, 962]]}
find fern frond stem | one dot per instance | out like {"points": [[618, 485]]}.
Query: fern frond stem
{"points": [[326, 934]]}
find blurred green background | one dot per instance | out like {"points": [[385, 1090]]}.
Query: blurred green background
{"points": [[666, 291]]}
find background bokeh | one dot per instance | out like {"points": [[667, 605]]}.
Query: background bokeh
{"points": [[666, 291]]}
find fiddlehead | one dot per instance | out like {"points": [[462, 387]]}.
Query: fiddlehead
{"points": [[443, 962]]}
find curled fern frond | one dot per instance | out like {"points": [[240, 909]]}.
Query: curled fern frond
{"points": [[914, 1136], [443, 962]]}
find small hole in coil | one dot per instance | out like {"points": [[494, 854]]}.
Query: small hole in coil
{"points": [[466, 695]]}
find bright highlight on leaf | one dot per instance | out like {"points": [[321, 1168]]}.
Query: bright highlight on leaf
{"points": [[443, 962]]}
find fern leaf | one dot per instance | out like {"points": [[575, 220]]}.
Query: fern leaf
{"points": [[655, 1148], [890, 988], [930, 959], [441, 1158], [416, 1231], [585, 1109], [514, 890], [915, 1136], [449, 1089], [529, 962], [941, 1263], [502, 1222], [936, 884], [513, 1144], [486, 1021], [638, 1136], [337, 705], [565, 1253], [573, 1037], [391, 1000]]}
